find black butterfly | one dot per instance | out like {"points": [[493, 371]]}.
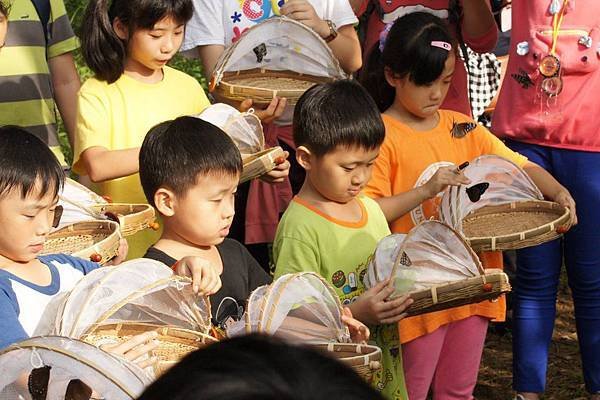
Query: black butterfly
{"points": [[476, 191], [260, 51], [405, 260], [461, 129], [523, 78]]}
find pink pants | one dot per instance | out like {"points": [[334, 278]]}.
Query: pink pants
{"points": [[447, 360]]}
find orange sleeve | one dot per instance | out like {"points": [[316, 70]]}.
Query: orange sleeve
{"points": [[490, 144], [381, 181]]}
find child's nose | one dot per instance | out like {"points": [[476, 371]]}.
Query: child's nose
{"points": [[44, 226], [168, 45]]}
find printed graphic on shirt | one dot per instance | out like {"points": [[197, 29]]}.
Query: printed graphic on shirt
{"points": [[428, 208], [350, 284]]}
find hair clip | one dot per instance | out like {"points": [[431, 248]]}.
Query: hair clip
{"points": [[442, 45], [383, 36]]}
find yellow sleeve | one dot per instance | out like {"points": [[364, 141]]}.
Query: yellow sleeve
{"points": [[93, 125], [292, 255], [490, 144], [380, 184]]}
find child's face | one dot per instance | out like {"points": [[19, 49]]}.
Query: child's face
{"points": [[340, 175], [153, 48], [424, 101], [204, 214], [25, 224], [3, 29]]}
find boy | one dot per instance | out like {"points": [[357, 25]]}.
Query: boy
{"points": [[30, 284], [329, 228]]}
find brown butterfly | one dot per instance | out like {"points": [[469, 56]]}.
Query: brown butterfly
{"points": [[260, 51], [405, 260], [58, 212], [460, 130], [476, 191]]}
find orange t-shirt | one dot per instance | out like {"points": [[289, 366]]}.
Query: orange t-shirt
{"points": [[408, 159]]}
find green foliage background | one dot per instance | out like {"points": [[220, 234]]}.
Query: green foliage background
{"points": [[75, 10]]}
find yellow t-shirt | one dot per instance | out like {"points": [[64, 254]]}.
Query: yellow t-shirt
{"points": [[408, 159], [117, 116]]}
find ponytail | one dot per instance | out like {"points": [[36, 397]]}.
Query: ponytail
{"points": [[407, 52], [104, 52]]}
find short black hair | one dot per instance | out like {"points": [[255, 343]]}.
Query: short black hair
{"points": [[259, 367], [25, 162], [339, 113], [4, 8], [175, 152]]}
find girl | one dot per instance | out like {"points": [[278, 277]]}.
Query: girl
{"points": [[470, 20], [560, 131], [409, 80], [215, 25]]}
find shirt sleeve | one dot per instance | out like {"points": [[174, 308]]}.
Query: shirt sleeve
{"points": [[342, 14], [11, 330], [79, 264], [93, 125], [207, 25], [490, 144], [62, 38], [380, 184], [293, 255]]}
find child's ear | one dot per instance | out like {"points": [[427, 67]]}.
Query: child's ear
{"points": [[390, 77], [304, 156], [120, 29], [163, 201]]}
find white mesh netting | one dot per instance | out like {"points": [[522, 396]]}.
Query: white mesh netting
{"points": [[431, 254], [76, 201], [110, 377], [507, 184], [297, 307]]}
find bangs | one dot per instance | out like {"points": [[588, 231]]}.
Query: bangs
{"points": [[151, 12]]}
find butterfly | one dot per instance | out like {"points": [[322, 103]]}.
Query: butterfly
{"points": [[523, 78], [405, 260], [476, 191], [260, 51], [461, 129], [58, 212]]}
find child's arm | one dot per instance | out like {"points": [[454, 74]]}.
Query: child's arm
{"points": [[102, 164], [478, 25], [396, 206], [374, 307], [551, 189], [345, 47], [66, 83], [206, 279]]}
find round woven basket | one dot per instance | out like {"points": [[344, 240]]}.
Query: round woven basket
{"points": [[515, 225], [363, 358], [174, 343], [488, 286], [131, 217], [260, 163], [262, 86], [93, 240]]}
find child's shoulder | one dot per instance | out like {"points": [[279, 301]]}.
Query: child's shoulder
{"points": [[179, 77], [65, 260], [455, 116]]}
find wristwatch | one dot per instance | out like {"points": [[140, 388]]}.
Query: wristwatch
{"points": [[333, 33]]}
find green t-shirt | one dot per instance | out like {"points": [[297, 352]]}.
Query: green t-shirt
{"points": [[27, 98], [339, 251]]}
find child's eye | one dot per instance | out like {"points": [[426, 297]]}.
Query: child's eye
{"points": [[177, 33], [348, 169], [155, 36]]}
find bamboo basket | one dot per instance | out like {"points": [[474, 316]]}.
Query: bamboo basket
{"points": [[364, 359], [132, 218], [262, 85], [174, 343], [515, 225], [97, 241], [260, 163], [488, 286]]}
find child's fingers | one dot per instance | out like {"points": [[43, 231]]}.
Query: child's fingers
{"points": [[394, 319], [150, 362], [135, 341], [383, 293], [245, 105], [400, 303]]}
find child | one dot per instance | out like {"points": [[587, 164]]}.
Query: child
{"points": [[128, 47], [409, 81], [190, 170], [329, 228], [37, 70]]}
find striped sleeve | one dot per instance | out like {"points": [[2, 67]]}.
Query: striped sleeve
{"points": [[62, 38]]}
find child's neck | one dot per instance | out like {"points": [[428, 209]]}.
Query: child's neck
{"points": [[33, 271], [349, 212], [415, 122], [141, 73], [177, 247]]}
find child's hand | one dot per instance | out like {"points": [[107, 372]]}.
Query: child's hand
{"points": [[279, 173], [564, 199], [137, 349], [359, 333], [303, 11], [273, 111], [444, 177], [121, 253], [374, 308], [206, 279]]}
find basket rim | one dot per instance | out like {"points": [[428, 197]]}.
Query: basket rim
{"points": [[372, 353], [538, 205], [163, 330], [491, 276]]}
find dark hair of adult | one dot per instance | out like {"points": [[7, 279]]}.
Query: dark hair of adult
{"points": [[175, 152], [4, 8], [27, 163], [256, 367], [103, 51], [339, 113], [407, 52]]}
